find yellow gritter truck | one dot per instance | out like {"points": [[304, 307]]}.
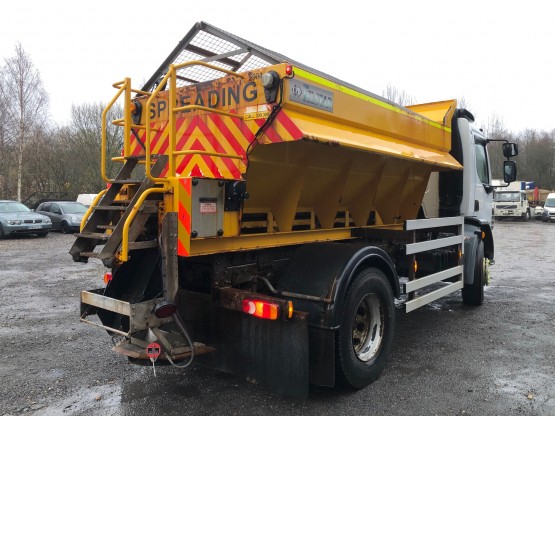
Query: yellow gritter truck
{"points": [[266, 216]]}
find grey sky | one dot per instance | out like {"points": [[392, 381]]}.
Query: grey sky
{"points": [[495, 54]]}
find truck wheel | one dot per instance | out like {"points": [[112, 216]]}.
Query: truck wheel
{"points": [[65, 227], [473, 294], [366, 330], [526, 216]]}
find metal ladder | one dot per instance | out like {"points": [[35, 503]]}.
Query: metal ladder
{"points": [[106, 224]]}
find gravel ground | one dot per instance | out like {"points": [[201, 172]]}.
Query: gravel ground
{"points": [[447, 359]]}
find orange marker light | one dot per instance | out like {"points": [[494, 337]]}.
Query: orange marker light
{"points": [[261, 309], [290, 309]]}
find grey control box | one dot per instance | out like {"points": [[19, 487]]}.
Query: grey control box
{"points": [[207, 214]]}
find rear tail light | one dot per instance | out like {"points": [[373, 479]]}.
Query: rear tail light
{"points": [[261, 309]]}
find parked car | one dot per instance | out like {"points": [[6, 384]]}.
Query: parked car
{"points": [[536, 211], [17, 219], [65, 215]]}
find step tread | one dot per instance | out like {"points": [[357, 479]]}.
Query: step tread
{"points": [[110, 207], [96, 236]]}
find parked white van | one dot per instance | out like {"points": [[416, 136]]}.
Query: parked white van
{"points": [[86, 198], [548, 214]]}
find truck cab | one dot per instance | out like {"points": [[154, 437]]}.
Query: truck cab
{"points": [[468, 193], [477, 190], [510, 201]]}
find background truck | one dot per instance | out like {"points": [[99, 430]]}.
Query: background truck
{"points": [[266, 216], [536, 199], [510, 200]]}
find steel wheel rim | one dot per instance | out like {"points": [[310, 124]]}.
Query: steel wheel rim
{"points": [[368, 327]]}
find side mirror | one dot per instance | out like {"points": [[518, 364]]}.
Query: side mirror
{"points": [[509, 170], [510, 150]]}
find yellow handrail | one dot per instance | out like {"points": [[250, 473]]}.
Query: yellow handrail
{"points": [[172, 76], [123, 87], [124, 255], [95, 201]]}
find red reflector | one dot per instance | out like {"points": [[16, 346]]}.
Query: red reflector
{"points": [[288, 69], [261, 309], [164, 309], [107, 277]]}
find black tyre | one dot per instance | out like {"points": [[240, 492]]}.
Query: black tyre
{"points": [[366, 329], [42, 234], [65, 227], [526, 216], [473, 294], [1, 233]]}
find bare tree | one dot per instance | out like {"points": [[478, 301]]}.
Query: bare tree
{"points": [[401, 97], [85, 130], [462, 102], [25, 102], [61, 162], [4, 144], [495, 128], [536, 157]]}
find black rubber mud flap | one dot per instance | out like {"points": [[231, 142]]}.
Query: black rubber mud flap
{"points": [[271, 353]]}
